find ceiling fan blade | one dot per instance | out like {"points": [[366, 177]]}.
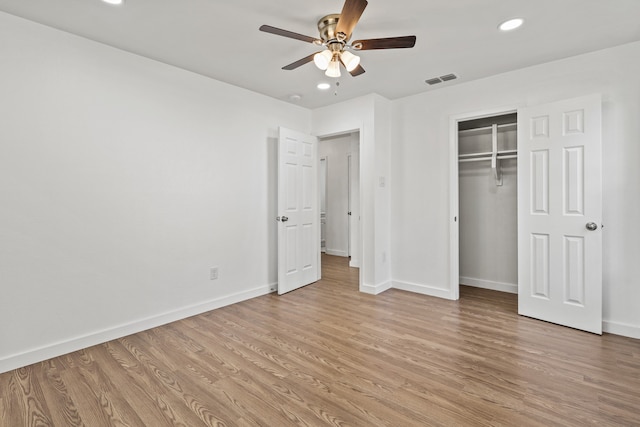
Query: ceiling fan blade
{"points": [[290, 34], [350, 15], [299, 62], [386, 43], [357, 71]]}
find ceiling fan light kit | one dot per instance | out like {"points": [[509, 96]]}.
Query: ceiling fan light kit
{"points": [[335, 32], [333, 70], [322, 59], [349, 60]]}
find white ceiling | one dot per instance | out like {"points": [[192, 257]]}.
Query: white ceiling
{"points": [[220, 38]]}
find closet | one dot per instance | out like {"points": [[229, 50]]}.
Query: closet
{"points": [[487, 198]]}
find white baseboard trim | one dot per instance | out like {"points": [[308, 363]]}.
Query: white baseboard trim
{"points": [[355, 263], [623, 329], [49, 351], [423, 289], [375, 289], [489, 284], [336, 252]]}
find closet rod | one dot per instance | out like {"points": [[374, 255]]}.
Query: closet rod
{"points": [[488, 153], [488, 127], [479, 159]]}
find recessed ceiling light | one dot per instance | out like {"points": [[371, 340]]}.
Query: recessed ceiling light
{"points": [[295, 97], [116, 2], [511, 24], [323, 86]]}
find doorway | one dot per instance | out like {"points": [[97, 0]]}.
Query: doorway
{"points": [[340, 195], [484, 198], [487, 193]]}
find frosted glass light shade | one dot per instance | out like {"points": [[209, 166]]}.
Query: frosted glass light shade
{"points": [[334, 69], [349, 60], [322, 59]]}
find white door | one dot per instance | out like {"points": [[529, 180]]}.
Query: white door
{"points": [[298, 211], [560, 212]]}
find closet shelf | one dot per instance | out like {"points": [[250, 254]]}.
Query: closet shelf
{"points": [[494, 155], [505, 125]]}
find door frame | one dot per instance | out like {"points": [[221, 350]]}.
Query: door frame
{"points": [[349, 172], [454, 223], [360, 240], [320, 185]]}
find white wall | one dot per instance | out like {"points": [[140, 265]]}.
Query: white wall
{"points": [[123, 180], [420, 169]]}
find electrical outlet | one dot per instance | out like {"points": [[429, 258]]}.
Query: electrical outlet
{"points": [[213, 273]]}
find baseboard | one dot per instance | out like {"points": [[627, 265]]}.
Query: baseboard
{"points": [[423, 289], [623, 329], [355, 263], [375, 289], [336, 252], [489, 284], [74, 344]]}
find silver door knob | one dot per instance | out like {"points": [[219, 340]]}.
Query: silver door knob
{"points": [[592, 226]]}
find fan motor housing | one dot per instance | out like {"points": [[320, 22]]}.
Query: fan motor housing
{"points": [[327, 27]]}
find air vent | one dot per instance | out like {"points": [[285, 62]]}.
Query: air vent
{"points": [[445, 78]]}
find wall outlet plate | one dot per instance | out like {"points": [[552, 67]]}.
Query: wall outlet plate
{"points": [[213, 273]]}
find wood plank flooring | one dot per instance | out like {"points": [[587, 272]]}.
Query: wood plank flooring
{"points": [[329, 355]]}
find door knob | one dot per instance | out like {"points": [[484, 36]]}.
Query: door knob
{"points": [[592, 226], [284, 219]]}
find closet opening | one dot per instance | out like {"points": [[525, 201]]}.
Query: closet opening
{"points": [[487, 202]]}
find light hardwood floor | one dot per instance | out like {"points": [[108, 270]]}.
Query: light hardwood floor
{"points": [[329, 355]]}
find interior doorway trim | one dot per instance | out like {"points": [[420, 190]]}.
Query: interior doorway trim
{"points": [[454, 223]]}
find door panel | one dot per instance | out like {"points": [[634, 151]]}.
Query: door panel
{"points": [[560, 191], [298, 210]]}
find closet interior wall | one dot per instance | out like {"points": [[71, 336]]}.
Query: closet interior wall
{"points": [[488, 210]]}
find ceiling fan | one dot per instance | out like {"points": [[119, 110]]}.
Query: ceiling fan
{"points": [[335, 32]]}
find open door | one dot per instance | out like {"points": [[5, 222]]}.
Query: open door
{"points": [[298, 210], [560, 213]]}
